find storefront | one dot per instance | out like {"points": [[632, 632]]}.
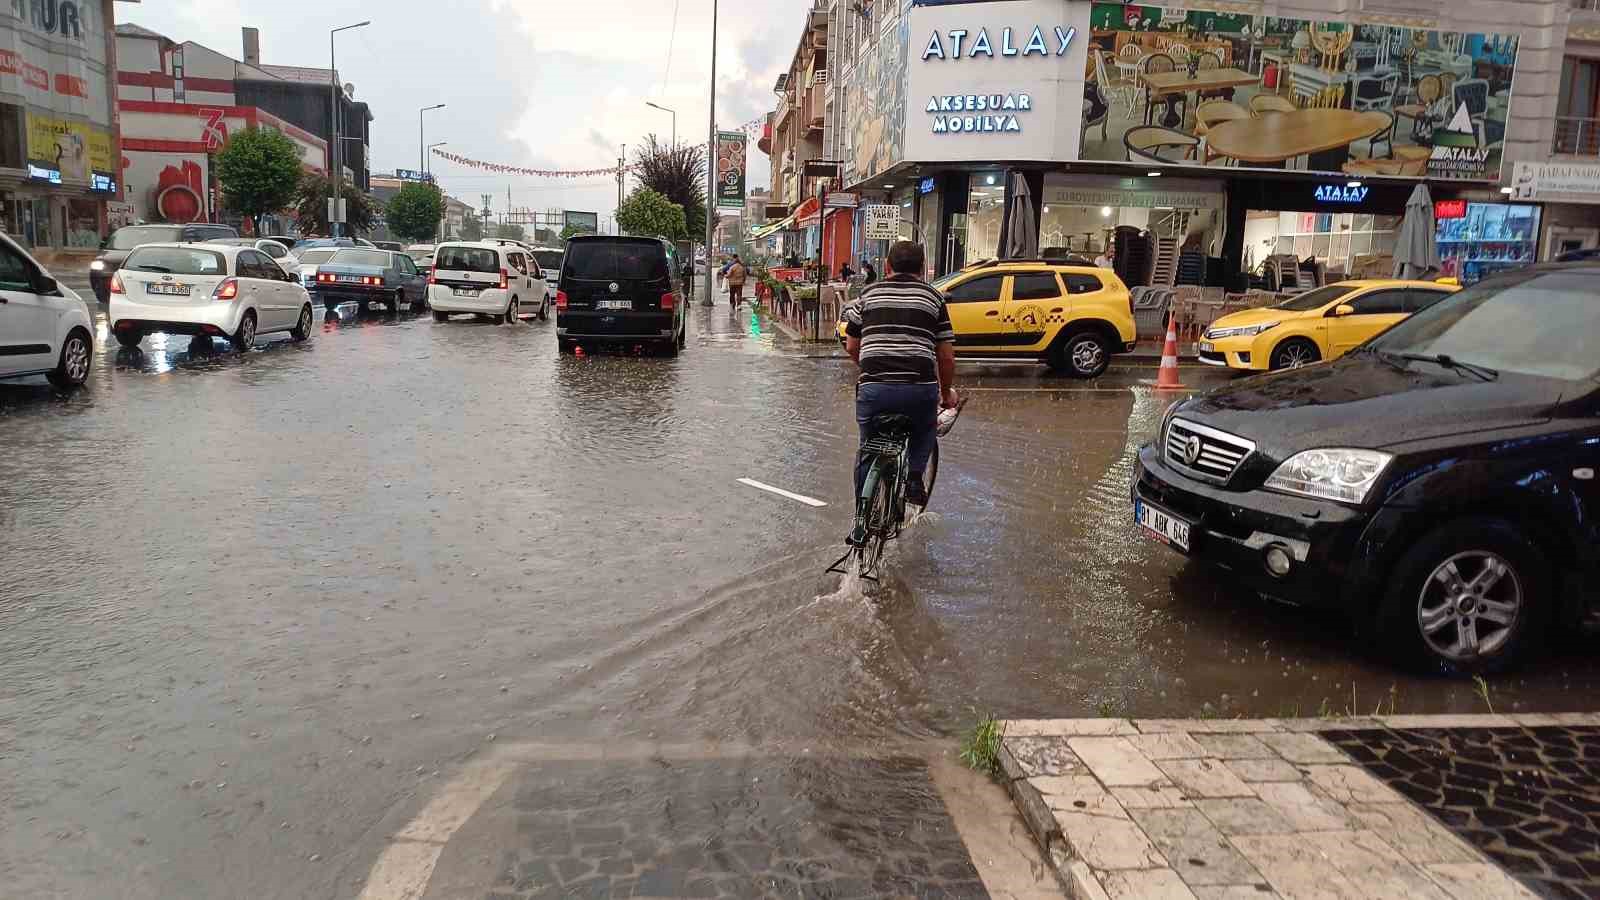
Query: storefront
{"points": [[1478, 239], [1568, 198]]}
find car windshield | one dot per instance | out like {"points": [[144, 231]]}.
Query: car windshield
{"points": [[637, 260], [315, 257], [1544, 323], [176, 261], [129, 238], [467, 259], [375, 258], [1316, 299], [548, 259]]}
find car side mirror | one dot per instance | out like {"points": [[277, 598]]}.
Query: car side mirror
{"points": [[46, 285], [1342, 310]]}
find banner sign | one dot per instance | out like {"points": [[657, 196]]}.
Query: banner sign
{"points": [[74, 149], [587, 221], [413, 175], [730, 162], [501, 169], [880, 222], [1538, 181], [839, 200]]}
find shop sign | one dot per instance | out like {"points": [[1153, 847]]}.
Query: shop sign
{"points": [[1449, 209], [1341, 193], [74, 149], [958, 47], [1066, 195], [99, 181], [41, 173], [1535, 181], [996, 112], [821, 168], [730, 163], [413, 175], [880, 222], [842, 201], [926, 186]]}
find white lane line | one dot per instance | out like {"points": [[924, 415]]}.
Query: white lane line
{"points": [[406, 866], [809, 501]]}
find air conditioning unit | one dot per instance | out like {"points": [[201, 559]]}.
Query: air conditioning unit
{"points": [[819, 77]]}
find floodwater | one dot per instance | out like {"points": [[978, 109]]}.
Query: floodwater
{"points": [[254, 608]]}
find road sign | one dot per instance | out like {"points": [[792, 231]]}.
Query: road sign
{"points": [[880, 222]]}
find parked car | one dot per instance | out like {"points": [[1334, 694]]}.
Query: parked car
{"points": [[275, 250], [486, 278], [124, 239], [422, 255], [45, 327], [369, 276], [305, 263], [206, 289], [620, 291], [1438, 483], [548, 259], [1321, 324], [388, 245], [324, 243]]}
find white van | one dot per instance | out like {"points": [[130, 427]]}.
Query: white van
{"points": [[45, 328], [486, 279]]}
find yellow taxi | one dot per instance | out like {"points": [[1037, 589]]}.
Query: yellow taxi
{"points": [[1321, 324], [1071, 317]]}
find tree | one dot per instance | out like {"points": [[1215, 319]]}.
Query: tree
{"points": [[311, 206], [677, 174], [471, 227], [510, 232], [649, 213], [258, 170], [415, 210], [574, 230]]}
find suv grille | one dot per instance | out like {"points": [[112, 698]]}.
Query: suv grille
{"points": [[1211, 454]]}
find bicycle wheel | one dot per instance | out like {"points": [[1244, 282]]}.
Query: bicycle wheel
{"points": [[880, 518], [930, 475]]}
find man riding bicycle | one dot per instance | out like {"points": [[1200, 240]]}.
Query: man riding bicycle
{"points": [[899, 334]]}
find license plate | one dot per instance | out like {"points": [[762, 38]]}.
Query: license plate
{"points": [[1162, 524], [614, 304], [350, 279], [466, 292], [169, 289], [1207, 348]]}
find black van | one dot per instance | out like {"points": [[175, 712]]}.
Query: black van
{"points": [[115, 249], [620, 292], [1438, 483]]}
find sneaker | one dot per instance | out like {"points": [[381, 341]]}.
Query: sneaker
{"points": [[915, 495]]}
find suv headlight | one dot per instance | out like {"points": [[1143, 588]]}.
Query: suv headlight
{"points": [[1339, 474]]}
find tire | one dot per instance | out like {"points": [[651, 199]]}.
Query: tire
{"points": [[510, 317], [930, 475], [244, 340], [399, 298], [302, 329], [1294, 353], [672, 348], [544, 309], [440, 317], [1440, 613], [1082, 354], [77, 355], [565, 346], [128, 338], [880, 517]]}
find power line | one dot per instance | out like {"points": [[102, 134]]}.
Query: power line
{"points": [[671, 42]]}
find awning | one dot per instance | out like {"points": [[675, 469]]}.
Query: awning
{"points": [[762, 231]]}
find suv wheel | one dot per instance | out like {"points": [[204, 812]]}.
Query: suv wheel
{"points": [[244, 340], [1083, 354], [510, 318], [302, 329], [544, 308], [1468, 598], [73, 368], [1294, 353]]}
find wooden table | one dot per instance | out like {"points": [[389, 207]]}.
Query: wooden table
{"points": [[1305, 132], [1167, 83]]}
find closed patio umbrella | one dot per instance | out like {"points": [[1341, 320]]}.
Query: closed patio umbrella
{"points": [[1416, 251], [1022, 241]]}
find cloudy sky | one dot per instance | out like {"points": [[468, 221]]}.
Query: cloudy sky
{"points": [[550, 84]]}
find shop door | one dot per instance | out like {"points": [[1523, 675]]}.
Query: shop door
{"points": [[975, 306], [1374, 313]]}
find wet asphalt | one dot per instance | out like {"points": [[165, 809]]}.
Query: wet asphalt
{"points": [[255, 608]]}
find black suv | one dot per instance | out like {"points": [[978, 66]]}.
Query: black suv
{"points": [[1439, 482], [620, 291], [116, 248]]}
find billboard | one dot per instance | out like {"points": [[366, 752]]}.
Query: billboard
{"points": [[1221, 89], [586, 221], [730, 163], [71, 149]]}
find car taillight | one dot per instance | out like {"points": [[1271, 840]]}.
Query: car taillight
{"points": [[227, 290], [561, 299], [116, 284], [668, 300], [324, 278], [368, 280], [505, 279], [431, 279]]}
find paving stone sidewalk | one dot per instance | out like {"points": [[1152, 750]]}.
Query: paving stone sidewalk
{"points": [[1426, 807]]}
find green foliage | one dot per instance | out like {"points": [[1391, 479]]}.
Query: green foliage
{"points": [[258, 171], [510, 232], [679, 174], [574, 230], [311, 206], [414, 212], [650, 213], [981, 748]]}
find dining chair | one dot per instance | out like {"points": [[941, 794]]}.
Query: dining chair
{"points": [[1128, 71], [1145, 143], [1207, 61], [1384, 136], [1179, 53], [1262, 104], [1428, 91], [1474, 94], [1155, 64], [1096, 103], [1374, 92], [1211, 112], [1110, 89]]}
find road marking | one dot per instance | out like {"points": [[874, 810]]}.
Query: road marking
{"points": [[809, 501], [406, 866]]}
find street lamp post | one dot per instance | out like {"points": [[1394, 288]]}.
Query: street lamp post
{"points": [[334, 185], [422, 152], [438, 230], [674, 120], [711, 161], [428, 166]]}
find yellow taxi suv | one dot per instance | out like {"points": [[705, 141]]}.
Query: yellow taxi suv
{"points": [[1073, 318], [1323, 324]]}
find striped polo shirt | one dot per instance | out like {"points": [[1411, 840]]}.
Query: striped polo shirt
{"points": [[900, 322]]}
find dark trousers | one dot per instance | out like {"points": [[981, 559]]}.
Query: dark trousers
{"points": [[919, 402]]}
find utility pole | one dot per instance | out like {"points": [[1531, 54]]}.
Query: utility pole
{"points": [[711, 157], [622, 161]]}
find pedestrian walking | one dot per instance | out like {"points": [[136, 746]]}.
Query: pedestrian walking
{"points": [[735, 279], [846, 273], [868, 271]]}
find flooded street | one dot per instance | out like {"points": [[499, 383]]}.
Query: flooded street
{"points": [[255, 610]]}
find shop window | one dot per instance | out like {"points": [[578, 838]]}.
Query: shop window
{"points": [[83, 223], [10, 136], [978, 290], [1035, 287]]}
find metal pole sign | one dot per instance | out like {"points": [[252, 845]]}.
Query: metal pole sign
{"points": [[336, 209], [730, 169]]}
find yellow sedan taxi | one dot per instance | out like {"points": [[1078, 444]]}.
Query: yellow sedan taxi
{"points": [[1321, 324]]}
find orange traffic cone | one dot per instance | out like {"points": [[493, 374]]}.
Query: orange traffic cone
{"points": [[1167, 377]]}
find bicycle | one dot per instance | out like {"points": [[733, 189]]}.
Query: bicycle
{"points": [[881, 508]]}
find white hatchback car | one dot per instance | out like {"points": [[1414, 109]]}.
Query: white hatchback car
{"points": [[206, 289], [488, 279], [45, 328]]}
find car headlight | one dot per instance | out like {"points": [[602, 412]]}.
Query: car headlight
{"points": [[1339, 474], [98, 265], [1253, 330]]}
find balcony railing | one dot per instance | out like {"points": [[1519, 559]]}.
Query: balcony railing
{"points": [[1576, 136], [1585, 4]]}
